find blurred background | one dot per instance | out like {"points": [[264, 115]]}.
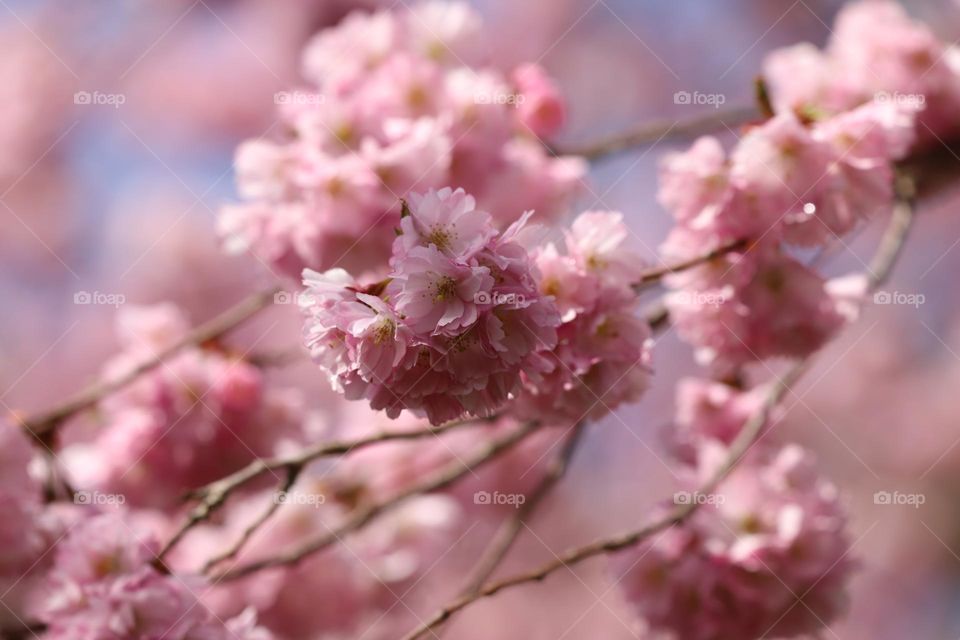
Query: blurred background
{"points": [[113, 201]]}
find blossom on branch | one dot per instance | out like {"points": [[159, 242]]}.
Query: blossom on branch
{"points": [[449, 331], [766, 552], [398, 102]]}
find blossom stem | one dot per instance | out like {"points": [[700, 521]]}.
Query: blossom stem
{"points": [[656, 274], [653, 132]]}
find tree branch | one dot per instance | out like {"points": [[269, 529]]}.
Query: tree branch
{"points": [[503, 540], [215, 494], [293, 472], [436, 481], [658, 273], [652, 132]]}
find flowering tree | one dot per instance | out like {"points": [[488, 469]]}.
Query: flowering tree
{"points": [[413, 206]]}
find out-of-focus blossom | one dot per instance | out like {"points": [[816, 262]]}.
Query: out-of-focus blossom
{"points": [[344, 588], [767, 553], [200, 415], [542, 109], [602, 357], [102, 587], [876, 52], [787, 182], [396, 104], [753, 305], [709, 412]]}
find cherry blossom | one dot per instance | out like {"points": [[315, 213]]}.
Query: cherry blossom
{"points": [[398, 102], [453, 327]]}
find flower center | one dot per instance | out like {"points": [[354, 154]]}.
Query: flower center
{"points": [[444, 289], [384, 331], [440, 237]]}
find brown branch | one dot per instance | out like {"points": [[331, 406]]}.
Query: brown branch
{"points": [[894, 239], [440, 479], [293, 472], [880, 269], [505, 536], [652, 132], [215, 494], [658, 273], [43, 426]]}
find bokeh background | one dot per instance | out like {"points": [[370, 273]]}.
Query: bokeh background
{"points": [[120, 200]]}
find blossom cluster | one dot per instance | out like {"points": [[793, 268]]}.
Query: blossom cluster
{"points": [[876, 52], [602, 357], [765, 555], [789, 182], [200, 415], [451, 328], [102, 586], [399, 101]]}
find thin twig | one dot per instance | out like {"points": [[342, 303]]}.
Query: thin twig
{"points": [[215, 494], [894, 239], [293, 472], [652, 132], [505, 536], [658, 273], [45, 424], [435, 481], [880, 269]]}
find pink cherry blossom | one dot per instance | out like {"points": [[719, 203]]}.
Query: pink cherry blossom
{"points": [[446, 220], [772, 532], [876, 51], [751, 306], [397, 103], [602, 358], [203, 413], [437, 295], [542, 109], [103, 588]]}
